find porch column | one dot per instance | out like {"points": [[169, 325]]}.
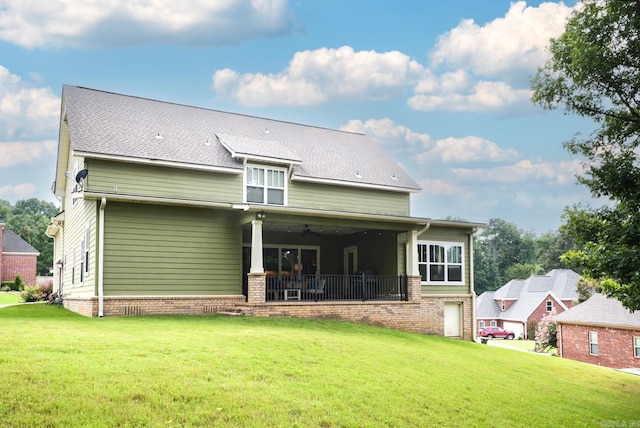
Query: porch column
{"points": [[256, 247], [412, 253], [256, 292]]}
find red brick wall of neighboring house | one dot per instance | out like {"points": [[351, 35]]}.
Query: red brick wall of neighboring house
{"points": [[615, 346], [541, 311], [507, 304], [19, 264]]}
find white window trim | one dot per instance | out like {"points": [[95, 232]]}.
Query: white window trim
{"points": [[636, 346], [549, 306], [266, 168], [493, 323], [593, 342], [445, 244], [481, 324]]}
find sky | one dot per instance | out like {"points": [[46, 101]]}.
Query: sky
{"points": [[443, 87]]}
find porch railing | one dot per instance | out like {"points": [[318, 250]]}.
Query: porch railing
{"points": [[336, 287]]}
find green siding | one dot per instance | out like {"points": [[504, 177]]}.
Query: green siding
{"points": [[162, 250], [78, 216], [161, 181], [343, 198], [445, 234]]}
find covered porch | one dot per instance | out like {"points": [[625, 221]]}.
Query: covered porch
{"points": [[313, 259]]}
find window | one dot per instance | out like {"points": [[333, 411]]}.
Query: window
{"points": [[593, 343], [636, 347], [73, 265], [549, 305], [82, 248], [493, 324], [481, 324], [287, 260], [265, 185], [86, 250], [440, 262], [503, 306]]}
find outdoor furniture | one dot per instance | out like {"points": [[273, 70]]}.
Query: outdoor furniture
{"points": [[314, 293]]}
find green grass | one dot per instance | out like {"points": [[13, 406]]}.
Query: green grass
{"points": [[9, 298], [58, 369]]}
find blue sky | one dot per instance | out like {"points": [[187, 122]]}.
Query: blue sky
{"points": [[442, 86]]}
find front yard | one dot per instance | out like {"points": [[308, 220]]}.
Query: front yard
{"points": [[61, 369]]}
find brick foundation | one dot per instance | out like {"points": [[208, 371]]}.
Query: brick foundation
{"points": [[424, 315], [153, 305]]}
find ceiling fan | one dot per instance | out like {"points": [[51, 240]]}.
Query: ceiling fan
{"points": [[307, 231]]}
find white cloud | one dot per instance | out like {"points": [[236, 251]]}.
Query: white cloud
{"points": [[26, 111], [20, 153], [438, 187], [20, 191], [561, 173], [83, 23], [313, 77], [514, 43], [467, 149], [386, 131]]}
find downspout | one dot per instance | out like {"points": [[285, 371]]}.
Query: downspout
{"points": [[412, 250], [474, 330], [103, 203]]}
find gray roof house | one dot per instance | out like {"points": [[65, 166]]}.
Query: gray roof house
{"points": [[169, 208], [600, 331], [520, 303], [17, 257]]}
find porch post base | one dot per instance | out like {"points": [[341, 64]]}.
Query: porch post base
{"points": [[414, 288], [256, 287]]}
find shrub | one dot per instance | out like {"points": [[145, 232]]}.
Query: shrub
{"points": [[36, 293], [546, 333], [19, 283]]}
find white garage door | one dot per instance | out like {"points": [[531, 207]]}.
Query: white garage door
{"points": [[453, 320], [515, 327]]}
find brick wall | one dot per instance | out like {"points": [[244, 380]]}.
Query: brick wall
{"points": [[615, 346], [423, 316], [1, 273], [153, 305], [19, 264]]}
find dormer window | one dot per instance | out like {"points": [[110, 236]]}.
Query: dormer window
{"points": [[265, 185]]}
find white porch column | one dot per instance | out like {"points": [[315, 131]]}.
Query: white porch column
{"points": [[412, 253], [256, 247]]}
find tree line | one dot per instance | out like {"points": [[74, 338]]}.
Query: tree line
{"points": [[29, 219]]}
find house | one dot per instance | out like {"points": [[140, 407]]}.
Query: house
{"points": [[600, 331], [172, 209], [17, 257], [521, 303]]}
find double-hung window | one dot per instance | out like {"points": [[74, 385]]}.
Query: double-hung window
{"points": [[441, 262], [593, 343], [636, 346], [265, 185]]}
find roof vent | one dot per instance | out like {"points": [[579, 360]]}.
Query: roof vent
{"points": [[158, 136]]}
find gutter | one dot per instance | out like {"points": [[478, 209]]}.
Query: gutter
{"points": [[103, 203]]}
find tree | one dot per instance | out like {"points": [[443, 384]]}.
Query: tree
{"points": [[546, 329], [594, 71], [586, 287], [549, 249], [29, 219], [521, 271]]}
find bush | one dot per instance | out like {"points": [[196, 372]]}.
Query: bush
{"points": [[36, 293], [19, 283]]}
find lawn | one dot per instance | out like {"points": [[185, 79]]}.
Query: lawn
{"points": [[59, 369], [10, 297]]}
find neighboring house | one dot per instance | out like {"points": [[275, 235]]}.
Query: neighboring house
{"points": [[17, 257], [521, 303], [174, 209], [600, 331]]}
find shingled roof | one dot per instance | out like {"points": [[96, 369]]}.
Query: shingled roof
{"points": [[527, 294], [108, 124], [12, 243], [602, 311]]}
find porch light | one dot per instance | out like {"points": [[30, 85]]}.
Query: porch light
{"points": [[260, 215], [59, 264]]}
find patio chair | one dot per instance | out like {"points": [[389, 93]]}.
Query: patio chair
{"points": [[314, 293]]}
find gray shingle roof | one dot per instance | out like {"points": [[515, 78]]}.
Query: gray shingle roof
{"points": [[527, 294], [12, 243], [600, 310], [486, 306], [120, 125]]}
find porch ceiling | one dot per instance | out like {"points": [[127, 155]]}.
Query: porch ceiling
{"points": [[312, 228]]}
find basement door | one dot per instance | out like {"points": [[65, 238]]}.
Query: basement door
{"points": [[453, 320]]}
